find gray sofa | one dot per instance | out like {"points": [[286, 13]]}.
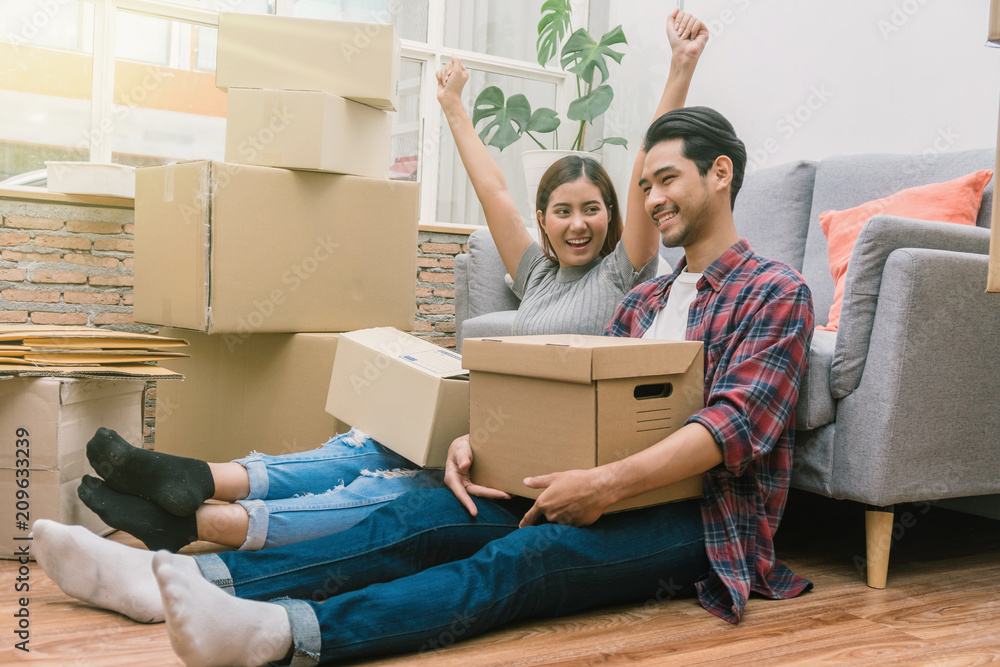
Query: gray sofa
{"points": [[899, 405]]}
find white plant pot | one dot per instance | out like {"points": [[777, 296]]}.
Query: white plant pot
{"points": [[537, 162]]}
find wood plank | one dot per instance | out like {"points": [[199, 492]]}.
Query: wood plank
{"points": [[942, 606]]}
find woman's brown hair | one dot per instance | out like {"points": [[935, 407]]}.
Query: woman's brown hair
{"points": [[566, 170]]}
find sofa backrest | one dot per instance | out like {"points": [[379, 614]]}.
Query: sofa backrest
{"points": [[847, 181], [771, 212]]}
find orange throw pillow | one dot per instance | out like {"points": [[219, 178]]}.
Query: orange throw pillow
{"points": [[955, 201]]}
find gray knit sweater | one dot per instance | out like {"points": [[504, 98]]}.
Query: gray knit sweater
{"points": [[578, 299]]}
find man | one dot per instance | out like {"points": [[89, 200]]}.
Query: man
{"points": [[434, 566]]}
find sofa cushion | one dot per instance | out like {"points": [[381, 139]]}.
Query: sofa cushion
{"points": [[816, 406], [955, 201], [844, 182], [771, 212]]}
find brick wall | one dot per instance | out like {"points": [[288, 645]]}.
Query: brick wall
{"points": [[436, 286], [64, 264]]}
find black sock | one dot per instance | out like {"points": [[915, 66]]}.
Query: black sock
{"points": [[177, 484], [157, 528]]}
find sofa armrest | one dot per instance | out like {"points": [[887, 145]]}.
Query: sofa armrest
{"points": [[461, 295], [479, 282], [922, 423], [880, 236]]}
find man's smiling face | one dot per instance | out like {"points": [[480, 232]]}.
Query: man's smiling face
{"points": [[677, 196]]}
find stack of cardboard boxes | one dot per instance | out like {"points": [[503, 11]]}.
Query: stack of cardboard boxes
{"points": [[298, 234]]}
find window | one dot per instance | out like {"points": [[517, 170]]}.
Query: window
{"points": [[133, 82], [46, 64]]}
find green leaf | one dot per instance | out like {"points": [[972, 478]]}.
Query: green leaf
{"points": [[543, 120], [582, 55], [617, 141], [552, 28], [509, 120], [592, 105]]}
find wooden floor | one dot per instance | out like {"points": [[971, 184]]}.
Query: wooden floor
{"points": [[942, 607]]}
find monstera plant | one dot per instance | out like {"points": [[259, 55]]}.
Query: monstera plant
{"points": [[507, 119]]}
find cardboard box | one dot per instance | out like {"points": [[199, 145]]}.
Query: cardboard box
{"points": [[265, 392], [307, 130], [224, 248], [410, 395], [56, 417], [359, 61], [90, 178], [542, 404]]}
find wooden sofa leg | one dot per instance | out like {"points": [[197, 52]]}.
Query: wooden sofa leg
{"points": [[878, 538]]}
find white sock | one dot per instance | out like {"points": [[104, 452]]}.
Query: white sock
{"points": [[101, 572], [208, 627]]}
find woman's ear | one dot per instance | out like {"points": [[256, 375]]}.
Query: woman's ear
{"points": [[540, 216]]}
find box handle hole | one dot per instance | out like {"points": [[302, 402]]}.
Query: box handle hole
{"points": [[659, 390]]}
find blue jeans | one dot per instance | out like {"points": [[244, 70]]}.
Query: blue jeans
{"points": [[420, 573], [301, 496]]}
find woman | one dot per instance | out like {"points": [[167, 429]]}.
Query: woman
{"points": [[569, 283]]}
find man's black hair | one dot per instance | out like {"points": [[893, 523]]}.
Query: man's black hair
{"points": [[707, 135]]}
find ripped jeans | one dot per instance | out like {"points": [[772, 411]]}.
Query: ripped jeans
{"points": [[301, 496]]}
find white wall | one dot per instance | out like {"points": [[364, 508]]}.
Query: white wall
{"points": [[809, 79]]}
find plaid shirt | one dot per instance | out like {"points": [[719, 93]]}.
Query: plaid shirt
{"points": [[755, 317]]}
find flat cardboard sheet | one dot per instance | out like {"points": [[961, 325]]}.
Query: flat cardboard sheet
{"points": [[113, 371], [60, 336], [359, 61], [298, 129], [238, 249], [48, 422], [408, 394], [543, 404], [263, 392]]}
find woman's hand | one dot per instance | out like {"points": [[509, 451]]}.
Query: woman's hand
{"points": [[687, 36], [456, 476], [451, 80], [572, 498]]}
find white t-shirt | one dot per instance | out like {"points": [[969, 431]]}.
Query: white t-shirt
{"points": [[670, 323]]}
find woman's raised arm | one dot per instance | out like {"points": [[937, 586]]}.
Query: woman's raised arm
{"points": [[502, 215]]}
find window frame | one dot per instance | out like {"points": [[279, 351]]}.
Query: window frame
{"points": [[430, 54]]}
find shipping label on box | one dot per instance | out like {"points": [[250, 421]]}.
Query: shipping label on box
{"points": [[359, 61], [543, 404], [45, 424], [225, 248], [262, 392], [307, 130], [406, 393]]}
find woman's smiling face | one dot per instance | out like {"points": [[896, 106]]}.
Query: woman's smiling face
{"points": [[576, 222]]}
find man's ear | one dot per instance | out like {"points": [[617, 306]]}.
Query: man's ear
{"points": [[722, 172]]}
